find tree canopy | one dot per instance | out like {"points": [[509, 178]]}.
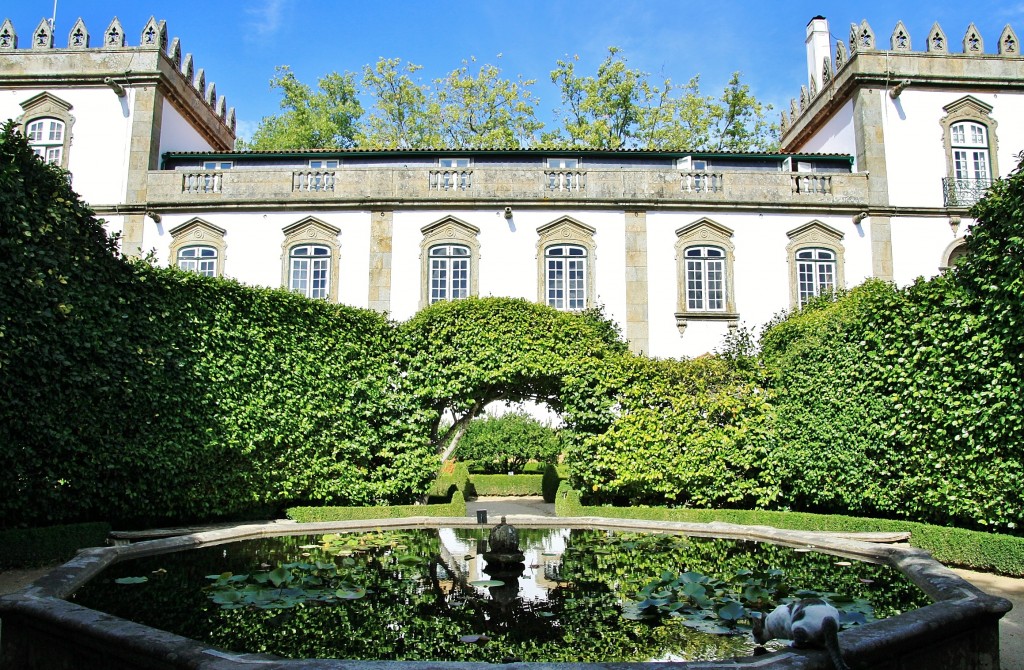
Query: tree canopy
{"points": [[478, 107]]}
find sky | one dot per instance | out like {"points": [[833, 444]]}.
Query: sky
{"points": [[239, 43]]}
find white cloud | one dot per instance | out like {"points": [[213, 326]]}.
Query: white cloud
{"points": [[264, 18]]}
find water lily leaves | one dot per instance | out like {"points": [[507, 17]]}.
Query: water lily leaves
{"points": [[351, 594], [732, 611], [279, 576], [409, 559], [487, 582], [131, 580]]}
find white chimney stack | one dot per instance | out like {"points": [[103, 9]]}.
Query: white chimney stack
{"points": [[818, 49]]}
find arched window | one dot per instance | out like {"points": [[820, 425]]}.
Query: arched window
{"points": [[199, 259], [449, 272], [969, 136], [816, 273], [310, 270], [969, 143], [46, 137], [705, 279], [566, 276]]}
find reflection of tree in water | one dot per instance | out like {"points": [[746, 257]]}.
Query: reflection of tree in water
{"points": [[420, 610]]}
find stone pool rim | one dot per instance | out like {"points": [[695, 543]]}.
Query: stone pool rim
{"points": [[960, 611]]}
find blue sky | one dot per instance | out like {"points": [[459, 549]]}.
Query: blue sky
{"points": [[240, 43]]}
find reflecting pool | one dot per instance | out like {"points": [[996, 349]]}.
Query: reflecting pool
{"points": [[580, 595]]}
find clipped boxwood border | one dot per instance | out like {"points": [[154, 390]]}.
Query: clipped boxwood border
{"points": [[457, 507], [34, 547], [972, 549]]}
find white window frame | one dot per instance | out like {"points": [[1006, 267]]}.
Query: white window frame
{"points": [[198, 258], [46, 137], [454, 163], [565, 276], [706, 278], [218, 165], [323, 164], [970, 153], [564, 163], [816, 273], [309, 270], [451, 267]]}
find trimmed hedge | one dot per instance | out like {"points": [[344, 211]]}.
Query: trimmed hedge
{"points": [[554, 475], [33, 547], [457, 507], [507, 485], [988, 552], [454, 476]]}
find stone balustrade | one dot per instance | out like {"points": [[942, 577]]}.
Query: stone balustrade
{"points": [[313, 180], [503, 185]]}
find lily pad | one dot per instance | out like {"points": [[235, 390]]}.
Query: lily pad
{"points": [[131, 580], [488, 582]]}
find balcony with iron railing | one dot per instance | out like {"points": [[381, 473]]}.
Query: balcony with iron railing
{"points": [[469, 186], [963, 192]]}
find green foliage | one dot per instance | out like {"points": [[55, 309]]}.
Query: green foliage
{"points": [[457, 507], [619, 107], [31, 547], [506, 485], [478, 107], [504, 444], [135, 394], [552, 480], [688, 432], [454, 476], [976, 550], [322, 119], [460, 356]]}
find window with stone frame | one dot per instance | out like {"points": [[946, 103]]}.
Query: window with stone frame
{"points": [[310, 255], [816, 261], [704, 274], [450, 255], [46, 124], [565, 268], [970, 146], [198, 246]]}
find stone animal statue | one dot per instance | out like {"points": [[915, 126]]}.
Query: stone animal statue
{"points": [[809, 623]]}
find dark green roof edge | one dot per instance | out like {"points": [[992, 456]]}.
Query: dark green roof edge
{"points": [[644, 153]]}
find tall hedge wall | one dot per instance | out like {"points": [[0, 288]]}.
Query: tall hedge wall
{"points": [[135, 394], [908, 403]]}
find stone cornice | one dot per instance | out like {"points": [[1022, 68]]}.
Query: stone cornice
{"points": [[914, 70]]}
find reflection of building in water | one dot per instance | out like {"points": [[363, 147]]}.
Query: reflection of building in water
{"points": [[461, 550]]}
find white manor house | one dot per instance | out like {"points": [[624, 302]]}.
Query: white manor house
{"points": [[882, 154]]}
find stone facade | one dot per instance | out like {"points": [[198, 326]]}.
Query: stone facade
{"points": [[676, 246]]}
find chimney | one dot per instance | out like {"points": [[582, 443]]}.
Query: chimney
{"points": [[818, 49]]}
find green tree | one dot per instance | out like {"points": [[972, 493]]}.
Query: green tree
{"points": [[402, 115], [321, 119], [485, 110], [507, 443], [620, 107]]}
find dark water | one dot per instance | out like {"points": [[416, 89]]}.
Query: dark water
{"points": [[430, 595]]}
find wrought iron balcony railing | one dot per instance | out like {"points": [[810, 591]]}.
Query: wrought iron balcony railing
{"points": [[963, 192]]}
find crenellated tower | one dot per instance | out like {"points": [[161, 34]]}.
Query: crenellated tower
{"points": [[931, 121], [105, 107]]}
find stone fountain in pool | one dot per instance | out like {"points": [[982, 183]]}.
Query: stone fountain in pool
{"points": [[44, 627]]}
